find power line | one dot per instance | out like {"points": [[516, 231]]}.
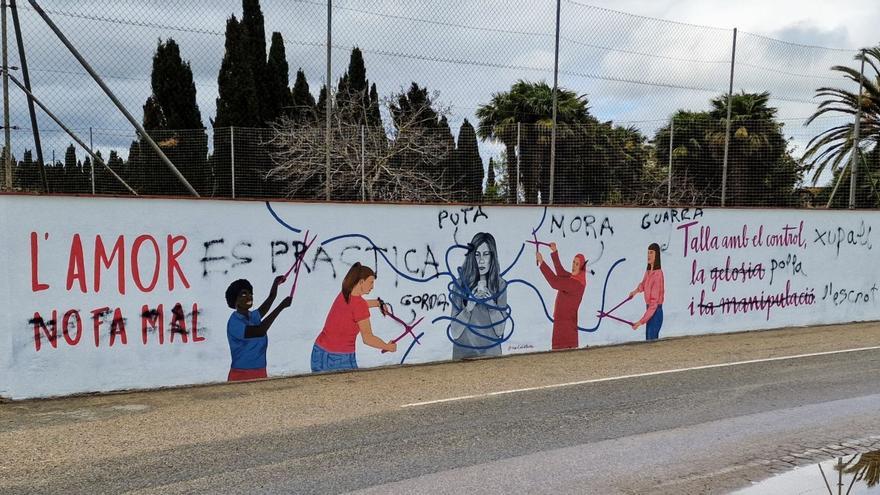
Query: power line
{"points": [[643, 17]]}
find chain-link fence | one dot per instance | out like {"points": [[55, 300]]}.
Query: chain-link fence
{"points": [[448, 101]]}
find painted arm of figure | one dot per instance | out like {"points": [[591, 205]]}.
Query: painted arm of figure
{"points": [[554, 280], [496, 315], [640, 287], [557, 265], [460, 310], [378, 303], [371, 340], [653, 299], [563, 283], [267, 304], [260, 330]]}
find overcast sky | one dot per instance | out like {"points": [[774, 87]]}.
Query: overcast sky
{"points": [[634, 69]]}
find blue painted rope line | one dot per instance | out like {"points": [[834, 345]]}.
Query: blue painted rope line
{"points": [[544, 217], [411, 345], [496, 342], [604, 293], [523, 247], [466, 294], [544, 304], [507, 316], [515, 260], [279, 220], [384, 257]]}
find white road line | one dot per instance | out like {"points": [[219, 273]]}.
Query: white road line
{"points": [[637, 375]]}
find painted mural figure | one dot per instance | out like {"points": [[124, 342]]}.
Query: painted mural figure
{"points": [[246, 330], [570, 288], [334, 349], [479, 302], [653, 286]]}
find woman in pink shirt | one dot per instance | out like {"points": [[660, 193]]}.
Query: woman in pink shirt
{"points": [[652, 285]]}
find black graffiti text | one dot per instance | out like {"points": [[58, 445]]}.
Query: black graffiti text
{"points": [[790, 265], [425, 302], [845, 295], [217, 260], [464, 216], [836, 237], [671, 215], [588, 224]]}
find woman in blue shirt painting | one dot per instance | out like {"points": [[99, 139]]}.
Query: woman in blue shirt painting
{"points": [[246, 329]]}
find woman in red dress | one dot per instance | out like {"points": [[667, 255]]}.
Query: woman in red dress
{"points": [[570, 291]]}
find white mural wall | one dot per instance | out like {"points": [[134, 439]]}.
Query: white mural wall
{"points": [[112, 294]]}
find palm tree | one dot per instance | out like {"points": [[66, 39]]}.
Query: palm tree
{"points": [[834, 146], [529, 103], [756, 151], [866, 469], [760, 171]]}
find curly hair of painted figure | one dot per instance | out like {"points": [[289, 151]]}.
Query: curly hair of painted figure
{"points": [[479, 302], [246, 330], [653, 286]]}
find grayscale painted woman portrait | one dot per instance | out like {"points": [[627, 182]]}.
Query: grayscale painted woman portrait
{"points": [[479, 302]]}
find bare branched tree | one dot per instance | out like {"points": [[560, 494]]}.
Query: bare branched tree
{"points": [[396, 161]]}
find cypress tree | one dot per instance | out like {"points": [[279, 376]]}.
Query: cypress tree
{"points": [[238, 94], [278, 99], [174, 88], [87, 173], [174, 121], [154, 117], [72, 172], [467, 159], [237, 106], [27, 173], [321, 106], [303, 106], [449, 177], [353, 96], [374, 117], [254, 39], [490, 176]]}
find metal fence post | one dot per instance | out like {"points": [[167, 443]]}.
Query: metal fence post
{"points": [[7, 156], [328, 137], [35, 128], [727, 130], [854, 164], [92, 162], [518, 153], [555, 99], [669, 180], [363, 171], [232, 152]]}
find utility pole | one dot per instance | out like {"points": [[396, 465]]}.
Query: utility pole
{"points": [[7, 156], [35, 128], [727, 131], [328, 137], [854, 164], [555, 98]]}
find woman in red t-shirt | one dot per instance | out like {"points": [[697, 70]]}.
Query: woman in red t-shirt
{"points": [[349, 316]]}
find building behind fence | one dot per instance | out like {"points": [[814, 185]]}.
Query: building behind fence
{"points": [[448, 102]]}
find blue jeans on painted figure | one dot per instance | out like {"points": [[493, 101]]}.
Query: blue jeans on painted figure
{"points": [[652, 328], [331, 361]]}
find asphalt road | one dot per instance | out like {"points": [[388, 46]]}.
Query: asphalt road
{"points": [[707, 430]]}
